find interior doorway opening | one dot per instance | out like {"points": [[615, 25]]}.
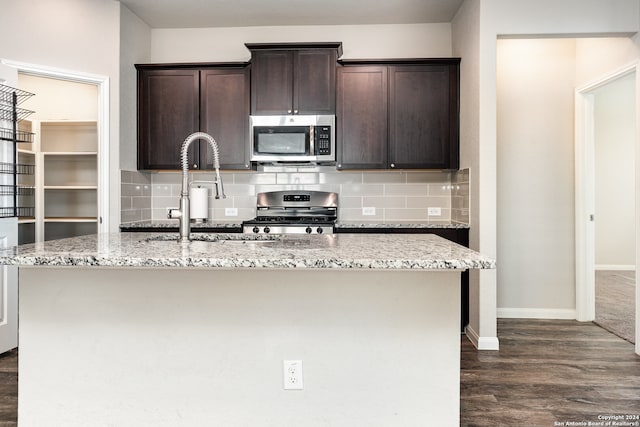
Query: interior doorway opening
{"points": [[606, 202], [614, 138], [101, 83]]}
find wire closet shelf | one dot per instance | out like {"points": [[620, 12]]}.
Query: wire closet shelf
{"points": [[12, 193]]}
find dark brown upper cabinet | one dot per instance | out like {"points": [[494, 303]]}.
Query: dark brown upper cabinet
{"points": [[293, 78], [399, 114], [361, 117], [177, 100]]}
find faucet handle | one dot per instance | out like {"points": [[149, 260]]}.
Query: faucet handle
{"points": [[174, 214], [219, 190]]}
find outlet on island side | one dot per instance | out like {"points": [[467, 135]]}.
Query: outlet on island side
{"points": [[292, 375]]}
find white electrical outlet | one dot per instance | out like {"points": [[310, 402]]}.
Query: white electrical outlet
{"points": [[434, 211], [292, 370], [230, 211], [369, 210]]}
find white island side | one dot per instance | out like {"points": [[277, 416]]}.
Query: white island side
{"points": [[128, 330]]}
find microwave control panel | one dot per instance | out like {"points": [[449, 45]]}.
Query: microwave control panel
{"points": [[323, 139]]}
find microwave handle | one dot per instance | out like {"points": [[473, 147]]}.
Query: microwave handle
{"points": [[312, 141]]}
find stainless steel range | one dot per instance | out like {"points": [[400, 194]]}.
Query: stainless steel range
{"points": [[296, 212]]}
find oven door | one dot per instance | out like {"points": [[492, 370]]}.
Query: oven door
{"points": [[282, 143]]}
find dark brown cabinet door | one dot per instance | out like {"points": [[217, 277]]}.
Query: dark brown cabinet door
{"points": [[293, 79], [423, 117], [272, 82], [224, 114], [175, 102], [361, 117], [168, 111], [400, 114], [314, 86]]}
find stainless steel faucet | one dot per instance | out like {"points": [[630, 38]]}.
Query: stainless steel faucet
{"points": [[183, 213]]}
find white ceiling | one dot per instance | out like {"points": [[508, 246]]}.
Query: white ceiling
{"points": [[241, 13]]}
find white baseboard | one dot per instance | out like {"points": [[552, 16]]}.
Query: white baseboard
{"points": [[615, 267], [482, 343], [536, 313]]}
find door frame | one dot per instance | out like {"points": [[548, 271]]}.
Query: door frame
{"points": [[585, 193], [102, 83]]}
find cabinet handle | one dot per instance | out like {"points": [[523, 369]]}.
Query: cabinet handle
{"points": [[289, 111], [393, 165], [295, 111], [246, 166], [339, 165], [195, 166]]}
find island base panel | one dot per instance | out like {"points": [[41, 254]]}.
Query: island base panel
{"points": [[192, 347]]}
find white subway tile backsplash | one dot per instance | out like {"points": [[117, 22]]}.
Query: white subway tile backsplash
{"points": [[166, 178], [340, 178], [350, 214], [162, 190], [413, 215], [297, 178], [248, 202], [253, 178], [396, 195], [428, 202], [164, 201], [125, 203], [385, 201], [384, 177], [405, 190], [428, 177], [218, 215], [439, 189], [362, 189], [346, 202]]}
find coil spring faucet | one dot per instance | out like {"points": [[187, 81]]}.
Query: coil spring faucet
{"points": [[183, 213]]}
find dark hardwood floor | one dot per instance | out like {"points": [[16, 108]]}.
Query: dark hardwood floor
{"points": [[547, 373], [9, 389]]}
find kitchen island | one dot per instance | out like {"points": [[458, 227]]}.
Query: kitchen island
{"points": [[134, 329]]}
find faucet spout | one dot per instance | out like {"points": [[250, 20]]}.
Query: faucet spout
{"points": [[183, 213]]}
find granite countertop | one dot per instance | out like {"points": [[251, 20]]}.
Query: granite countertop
{"points": [[397, 225], [236, 250], [173, 224]]}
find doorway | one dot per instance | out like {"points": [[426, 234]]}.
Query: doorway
{"points": [[614, 138], [606, 219], [101, 84]]}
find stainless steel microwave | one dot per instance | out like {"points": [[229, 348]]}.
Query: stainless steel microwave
{"points": [[295, 138]]}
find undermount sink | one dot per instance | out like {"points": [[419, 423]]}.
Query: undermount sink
{"points": [[217, 237]]}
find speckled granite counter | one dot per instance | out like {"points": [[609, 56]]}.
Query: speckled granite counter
{"points": [[399, 225], [217, 326], [343, 227], [338, 251]]}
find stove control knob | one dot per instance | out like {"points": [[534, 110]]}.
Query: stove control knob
{"points": [[319, 230], [256, 229], [308, 230], [267, 229]]}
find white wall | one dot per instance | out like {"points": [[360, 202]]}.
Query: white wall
{"points": [[358, 41], [482, 294], [74, 35], [135, 47], [614, 114], [536, 79], [535, 209]]}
